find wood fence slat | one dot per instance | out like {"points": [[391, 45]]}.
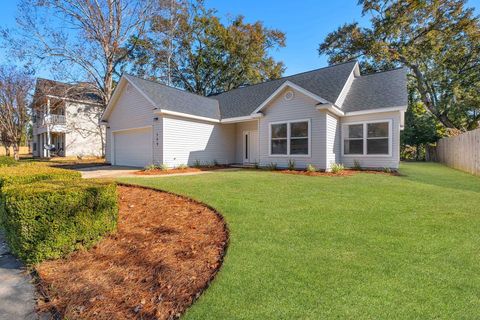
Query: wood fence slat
{"points": [[461, 152]]}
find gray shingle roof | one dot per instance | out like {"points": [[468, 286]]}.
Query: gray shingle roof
{"points": [[326, 83], [177, 100], [377, 90]]}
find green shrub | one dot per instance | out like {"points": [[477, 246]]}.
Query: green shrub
{"points": [[49, 219], [30, 173], [356, 165], [150, 167], [7, 161], [197, 163], [311, 168], [182, 166], [163, 167], [291, 164], [337, 167], [272, 166]]}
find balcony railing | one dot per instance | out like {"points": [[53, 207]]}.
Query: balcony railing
{"points": [[52, 119]]}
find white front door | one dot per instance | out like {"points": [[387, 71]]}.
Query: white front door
{"points": [[250, 147]]}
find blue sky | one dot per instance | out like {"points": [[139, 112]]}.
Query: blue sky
{"points": [[305, 22]]}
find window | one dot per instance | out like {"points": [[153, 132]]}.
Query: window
{"points": [[290, 138], [367, 138]]}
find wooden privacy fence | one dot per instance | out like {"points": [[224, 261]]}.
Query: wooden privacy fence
{"points": [[461, 152]]}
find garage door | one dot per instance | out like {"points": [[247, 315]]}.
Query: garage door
{"points": [[133, 147]]}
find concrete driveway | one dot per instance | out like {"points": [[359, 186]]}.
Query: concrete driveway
{"points": [[108, 172], [17, 293]]}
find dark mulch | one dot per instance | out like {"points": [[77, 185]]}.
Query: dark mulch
{"points": [[165, 253]]}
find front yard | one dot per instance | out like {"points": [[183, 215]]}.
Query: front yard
{"points": [[356, 247]]}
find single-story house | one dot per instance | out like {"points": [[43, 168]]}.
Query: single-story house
{"points": [[330, 115]]}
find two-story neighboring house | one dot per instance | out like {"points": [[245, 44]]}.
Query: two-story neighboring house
{"points": [[66, 120]]}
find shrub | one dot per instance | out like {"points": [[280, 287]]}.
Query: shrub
{"points": [[337, 167], [197, 164], [256, 165], [356, 165], [182, 166], [387, 170], [163, 167], [7, 161], [272, 166], [48, 219], [30, 173], [311, 168], [215, 163], [150, 167], [291, 164]]}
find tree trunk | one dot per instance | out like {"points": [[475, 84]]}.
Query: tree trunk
{"points": [[16, 151], [7, 151]]}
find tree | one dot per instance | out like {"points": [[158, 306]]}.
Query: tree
{"points": [[189, 47], [15, 87], [438, 40], [87, 37]]}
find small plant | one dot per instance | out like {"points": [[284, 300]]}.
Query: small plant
{"points": [[311, 168], [150, 167], [256, 165], [182, 166], [356, 165], [272, 166], [337, 167], [387, 170], [163, 167], [215, 163], [197, 163], [291, 164]]}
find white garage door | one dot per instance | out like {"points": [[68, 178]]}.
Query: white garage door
{"points": [[133, 147]]}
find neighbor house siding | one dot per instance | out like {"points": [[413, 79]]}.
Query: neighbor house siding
{"points": [[376, 161], [240, 128], [186, 141], [299, 108], [132, 110], [83, 136]]}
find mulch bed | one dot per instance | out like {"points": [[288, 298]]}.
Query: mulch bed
{"points": [[165, 253], [343, 173]]}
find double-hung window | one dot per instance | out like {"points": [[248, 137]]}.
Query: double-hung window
{"points": [[367, 138], [290, 138]]}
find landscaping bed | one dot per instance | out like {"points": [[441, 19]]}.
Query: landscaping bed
{"points": [[343, 173], [159, 171], [165, 253]]}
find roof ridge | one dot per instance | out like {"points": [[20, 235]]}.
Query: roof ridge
{"points": [[383, 71], [170, 87], [285, 77]]}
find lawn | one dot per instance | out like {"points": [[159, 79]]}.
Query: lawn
{"points": [[360, 247]]}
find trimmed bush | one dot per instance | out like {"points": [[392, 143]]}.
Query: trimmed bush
{"points": [[49, 219], [29, 173], [7, 161]]}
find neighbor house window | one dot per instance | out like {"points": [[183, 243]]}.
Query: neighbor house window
{"points": [[290, 138], [369, 138]]}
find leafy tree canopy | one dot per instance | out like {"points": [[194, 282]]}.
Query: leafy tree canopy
{"points": [[189, 47], [438, 40]]}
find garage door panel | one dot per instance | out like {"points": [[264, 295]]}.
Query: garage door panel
{"points": [[133, 147]]}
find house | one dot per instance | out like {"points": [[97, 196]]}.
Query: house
{"points": [[66, 120], [320, 117]]}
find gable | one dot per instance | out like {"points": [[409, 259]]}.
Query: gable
{"points": [[297, 107], [130, 109]]}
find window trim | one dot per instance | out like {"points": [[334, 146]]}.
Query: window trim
{"points": [[365, 139], [288, 122]]}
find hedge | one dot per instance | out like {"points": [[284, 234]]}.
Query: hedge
{"points": [[29, 173], [49, 219], [6, 161]]}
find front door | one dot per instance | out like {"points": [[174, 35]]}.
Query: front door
{"points": [[250, 146]]}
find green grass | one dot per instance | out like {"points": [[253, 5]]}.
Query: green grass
{"points": [[360, 247]]}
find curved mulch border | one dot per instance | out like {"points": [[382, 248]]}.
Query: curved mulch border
{"points": [[165, 253], [343, 173]]}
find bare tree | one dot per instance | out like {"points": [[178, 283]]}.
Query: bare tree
{"points": [[87, 37], [15, 88]]}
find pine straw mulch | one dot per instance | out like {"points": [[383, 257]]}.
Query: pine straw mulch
{"points": [[343, 173], [165, 253]]}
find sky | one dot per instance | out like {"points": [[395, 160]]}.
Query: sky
{"points": [[305, 23]]}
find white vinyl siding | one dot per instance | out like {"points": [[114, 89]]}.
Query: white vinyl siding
{"points": [[186, 141], [131, 110], [376, 161], [300, 107]]}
